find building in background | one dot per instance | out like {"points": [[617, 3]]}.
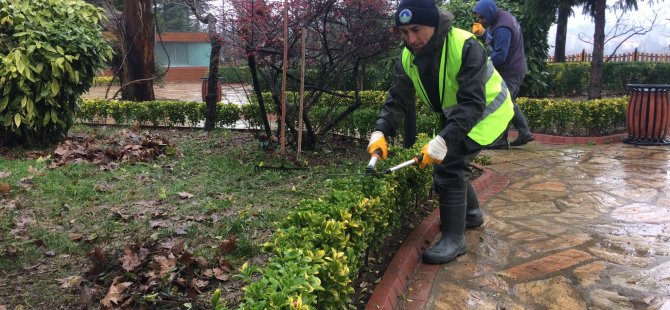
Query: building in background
{"points": [[186, 53]]}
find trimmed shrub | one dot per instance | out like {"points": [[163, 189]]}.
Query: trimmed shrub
{"points": [[318, 249], [155, 113], [550, 116], [564, 117]]}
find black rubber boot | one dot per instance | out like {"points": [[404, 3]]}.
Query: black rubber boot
{"points": [[473, 216], [500, 144], [452, 225], [520, 123]]}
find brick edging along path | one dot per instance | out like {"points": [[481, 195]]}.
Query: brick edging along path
{"points": [[406, 263]]}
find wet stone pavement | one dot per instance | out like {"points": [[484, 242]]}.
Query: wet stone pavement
{"points": [[578, 227]]}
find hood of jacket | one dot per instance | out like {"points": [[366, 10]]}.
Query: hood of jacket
{"points": [[486, 8]]}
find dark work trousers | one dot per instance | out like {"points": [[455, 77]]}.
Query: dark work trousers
{"points": [[454, 169], [519, 120]]}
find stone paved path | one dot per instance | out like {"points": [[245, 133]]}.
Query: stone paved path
{"points": [[578, 227]]}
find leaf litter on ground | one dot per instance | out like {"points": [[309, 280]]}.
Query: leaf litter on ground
{"points": [[124, 146]]}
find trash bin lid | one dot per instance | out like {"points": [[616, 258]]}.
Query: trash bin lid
{"points": [[648, 87]]}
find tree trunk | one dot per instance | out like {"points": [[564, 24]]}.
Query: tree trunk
{"points": [[595, 90], [561, 32], [212, 80], [251, 61], [138, 43]]}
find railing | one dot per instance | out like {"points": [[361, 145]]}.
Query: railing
{"points": [[632, 56]]}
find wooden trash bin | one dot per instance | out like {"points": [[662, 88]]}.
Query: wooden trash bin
{"points": [[205, 84], [648, 114]]}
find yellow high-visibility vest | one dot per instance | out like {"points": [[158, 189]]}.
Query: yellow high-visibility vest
{"points": [[499, 107]]}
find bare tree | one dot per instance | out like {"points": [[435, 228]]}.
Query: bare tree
{"points": [[138, 45], [623, 30], [216, 40], [343, 36]]}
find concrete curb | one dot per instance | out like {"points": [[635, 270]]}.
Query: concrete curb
{"points": [[406, 263]]}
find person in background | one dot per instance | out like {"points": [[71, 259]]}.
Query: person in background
{"points": [[449, 70], [503, 35]]}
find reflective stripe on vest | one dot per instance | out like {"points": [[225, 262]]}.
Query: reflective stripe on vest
{"points": [[499, 108]]}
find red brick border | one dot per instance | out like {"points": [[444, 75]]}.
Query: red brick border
{"points": [[548, 139], [407, 261]]}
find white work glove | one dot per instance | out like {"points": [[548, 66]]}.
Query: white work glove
{"points": [[433, 152], [378, 142]]}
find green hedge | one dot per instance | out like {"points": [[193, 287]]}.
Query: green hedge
{"points": [[318, 249], [572, 118], [572, 78], [550, 116], [155, 113]]}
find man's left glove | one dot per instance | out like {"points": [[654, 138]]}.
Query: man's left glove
{"points": [[433, 152]]}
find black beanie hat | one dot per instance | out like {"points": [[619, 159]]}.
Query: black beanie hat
{"points": [[421, 12]]}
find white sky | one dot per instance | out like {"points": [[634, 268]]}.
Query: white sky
{"points": [[655, 41]]}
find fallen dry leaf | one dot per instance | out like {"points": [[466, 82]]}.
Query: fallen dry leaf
{"points": [[103, 187], [166, 264], [98, 256], [221, 274], [208, 273], [225, 265], [124, 217], [4, 188], [185, 195], [115, 294], [4, 174], [86, 296], [32, 170], [198, 284], [201, 261], [157, 224], [133, 257], [26, 183], [186, 259], [69, 282], [228, 245]]}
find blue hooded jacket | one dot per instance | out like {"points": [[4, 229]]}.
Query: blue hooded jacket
{"points": [[504, 36], [486, 8]]}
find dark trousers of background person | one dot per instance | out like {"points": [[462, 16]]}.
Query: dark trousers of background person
{"points": [[519, 120]]}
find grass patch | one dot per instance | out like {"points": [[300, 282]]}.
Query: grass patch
{"points": [[53, 217]]}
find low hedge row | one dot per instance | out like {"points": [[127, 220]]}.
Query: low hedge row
{"points": [[319, 248], [564, 117], [156, 113], [572, 78], [549, 116]]}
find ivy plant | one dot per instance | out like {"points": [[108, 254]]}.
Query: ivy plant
{"points": [[50, 51]]}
